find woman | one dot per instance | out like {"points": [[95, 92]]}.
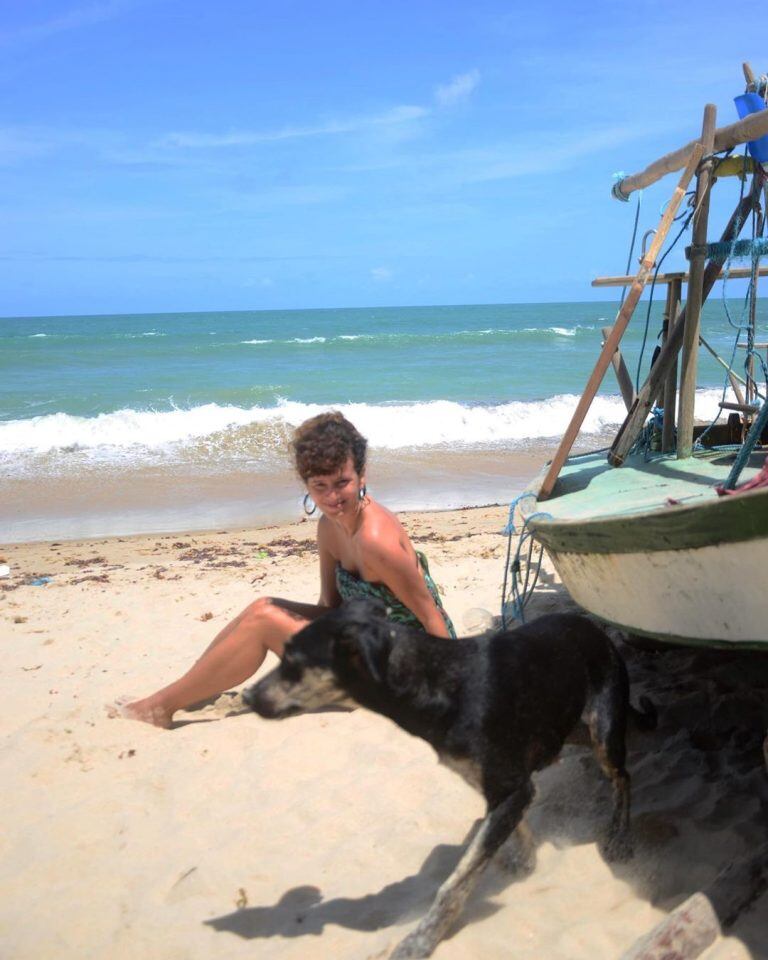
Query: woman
{"points": [[363, 548]]}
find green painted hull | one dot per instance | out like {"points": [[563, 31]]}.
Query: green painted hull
{"points": [[652, 548]]}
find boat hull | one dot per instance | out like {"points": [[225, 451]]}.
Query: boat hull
{"points": [[711, 596], [656, 552]]}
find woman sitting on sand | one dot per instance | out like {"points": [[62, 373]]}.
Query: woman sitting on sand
{"points": [[364, 551]]}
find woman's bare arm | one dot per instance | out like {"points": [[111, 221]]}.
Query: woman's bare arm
{"points": [[389, 563], [329, 594]]}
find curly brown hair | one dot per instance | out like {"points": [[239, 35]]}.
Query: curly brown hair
{"points": [[323, 444]]}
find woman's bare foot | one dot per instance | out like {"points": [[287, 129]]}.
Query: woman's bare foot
{"points": [[144, 710]]}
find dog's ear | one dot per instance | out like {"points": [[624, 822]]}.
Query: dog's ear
{"points": [[364, 644], [374, 647]]}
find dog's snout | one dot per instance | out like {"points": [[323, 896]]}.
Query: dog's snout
{"points": [[256, 698]]}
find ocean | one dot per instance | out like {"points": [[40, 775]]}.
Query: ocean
{"points": [[130, 423]]}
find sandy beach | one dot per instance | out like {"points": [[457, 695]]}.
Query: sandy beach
{"points": [[324, 835]]}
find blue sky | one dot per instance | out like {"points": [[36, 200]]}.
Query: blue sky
{"points": [[162, 155]]}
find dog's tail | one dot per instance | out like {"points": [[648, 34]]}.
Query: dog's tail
{"points": [[646, 717]]}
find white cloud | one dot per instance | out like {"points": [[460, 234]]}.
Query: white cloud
{"points": [[404, 114], [381, 274], [458, 90], [71, 19]]}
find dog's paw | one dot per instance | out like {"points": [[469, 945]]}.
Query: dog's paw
{"points": [[516, 859], [413, 947]]}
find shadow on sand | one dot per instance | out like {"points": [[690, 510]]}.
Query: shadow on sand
{"points": [[700, 799], [303, 912]]}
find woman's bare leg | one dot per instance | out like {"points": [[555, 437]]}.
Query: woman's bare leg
{"points": [[235, 654]]}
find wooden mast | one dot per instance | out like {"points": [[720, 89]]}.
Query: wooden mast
{"points": [[689, 364], [750, 128], [669, 401], [633, 424], [622, 320]]}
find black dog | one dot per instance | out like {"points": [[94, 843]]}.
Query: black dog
{"points": [[495, 709]]}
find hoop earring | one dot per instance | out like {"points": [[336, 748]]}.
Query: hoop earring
{"points": [[362, 492], [314, 505]]}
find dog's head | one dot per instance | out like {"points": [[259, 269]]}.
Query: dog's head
{"points": [[337, 659]]}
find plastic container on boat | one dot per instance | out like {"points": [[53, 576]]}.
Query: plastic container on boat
{"points": [[748, 103]]}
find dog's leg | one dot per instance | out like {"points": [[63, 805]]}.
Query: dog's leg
{"points": [[518, 854], [607, 726], [452, 895]]}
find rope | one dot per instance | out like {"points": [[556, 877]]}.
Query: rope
{"points": [[521, 586], [632, 243], [616, 190], [669, 249], [750, 353], [736, 250], [649, 440], [755, 432]]}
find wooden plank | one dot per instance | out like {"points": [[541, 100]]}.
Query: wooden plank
{"points": [[689, 362], [623, 318], [737, 273], [622, 374], [750, 128], [683, 935], [749, 408], [689, 929], [633, 423]]}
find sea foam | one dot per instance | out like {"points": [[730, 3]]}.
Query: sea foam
{"points": [[389, 426]]}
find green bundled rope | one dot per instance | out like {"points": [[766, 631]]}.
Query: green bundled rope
{"points": [[738, 250]]}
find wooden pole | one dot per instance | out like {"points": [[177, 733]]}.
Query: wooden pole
{"points": [[622, 374], [617, 331], [735, 273], [750, 398], [633, 423], [670, 384], [689, 364], [750, 128], [735, 380], [687, 931]]}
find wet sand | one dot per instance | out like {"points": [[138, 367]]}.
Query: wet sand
{"points": [[95, 500], [327, 835]]}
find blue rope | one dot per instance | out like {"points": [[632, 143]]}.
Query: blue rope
{"points": [[669, 250], [735, 250], [649, 440], [632, 244], [755, 432], [521, 587]]}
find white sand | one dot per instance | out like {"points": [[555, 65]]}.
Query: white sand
{"points": [[327, 835]]}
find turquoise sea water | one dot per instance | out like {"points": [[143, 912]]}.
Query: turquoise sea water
{"points": [[77, 369], [211, 393]]}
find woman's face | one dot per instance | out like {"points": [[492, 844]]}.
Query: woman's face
{"points": [[337, 494]]}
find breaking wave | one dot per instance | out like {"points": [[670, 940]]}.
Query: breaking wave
{"points": [[257, 430]]}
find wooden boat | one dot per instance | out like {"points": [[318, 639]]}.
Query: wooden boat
{"points": [[641, 538], [654, 550]]}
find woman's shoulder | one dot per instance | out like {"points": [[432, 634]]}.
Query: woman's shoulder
{"points": [[381, 528]]}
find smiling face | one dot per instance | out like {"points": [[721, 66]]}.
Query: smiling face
{"points": [[337, 494]]}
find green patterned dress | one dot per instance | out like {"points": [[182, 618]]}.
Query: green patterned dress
{"points": [[350, 586]]}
